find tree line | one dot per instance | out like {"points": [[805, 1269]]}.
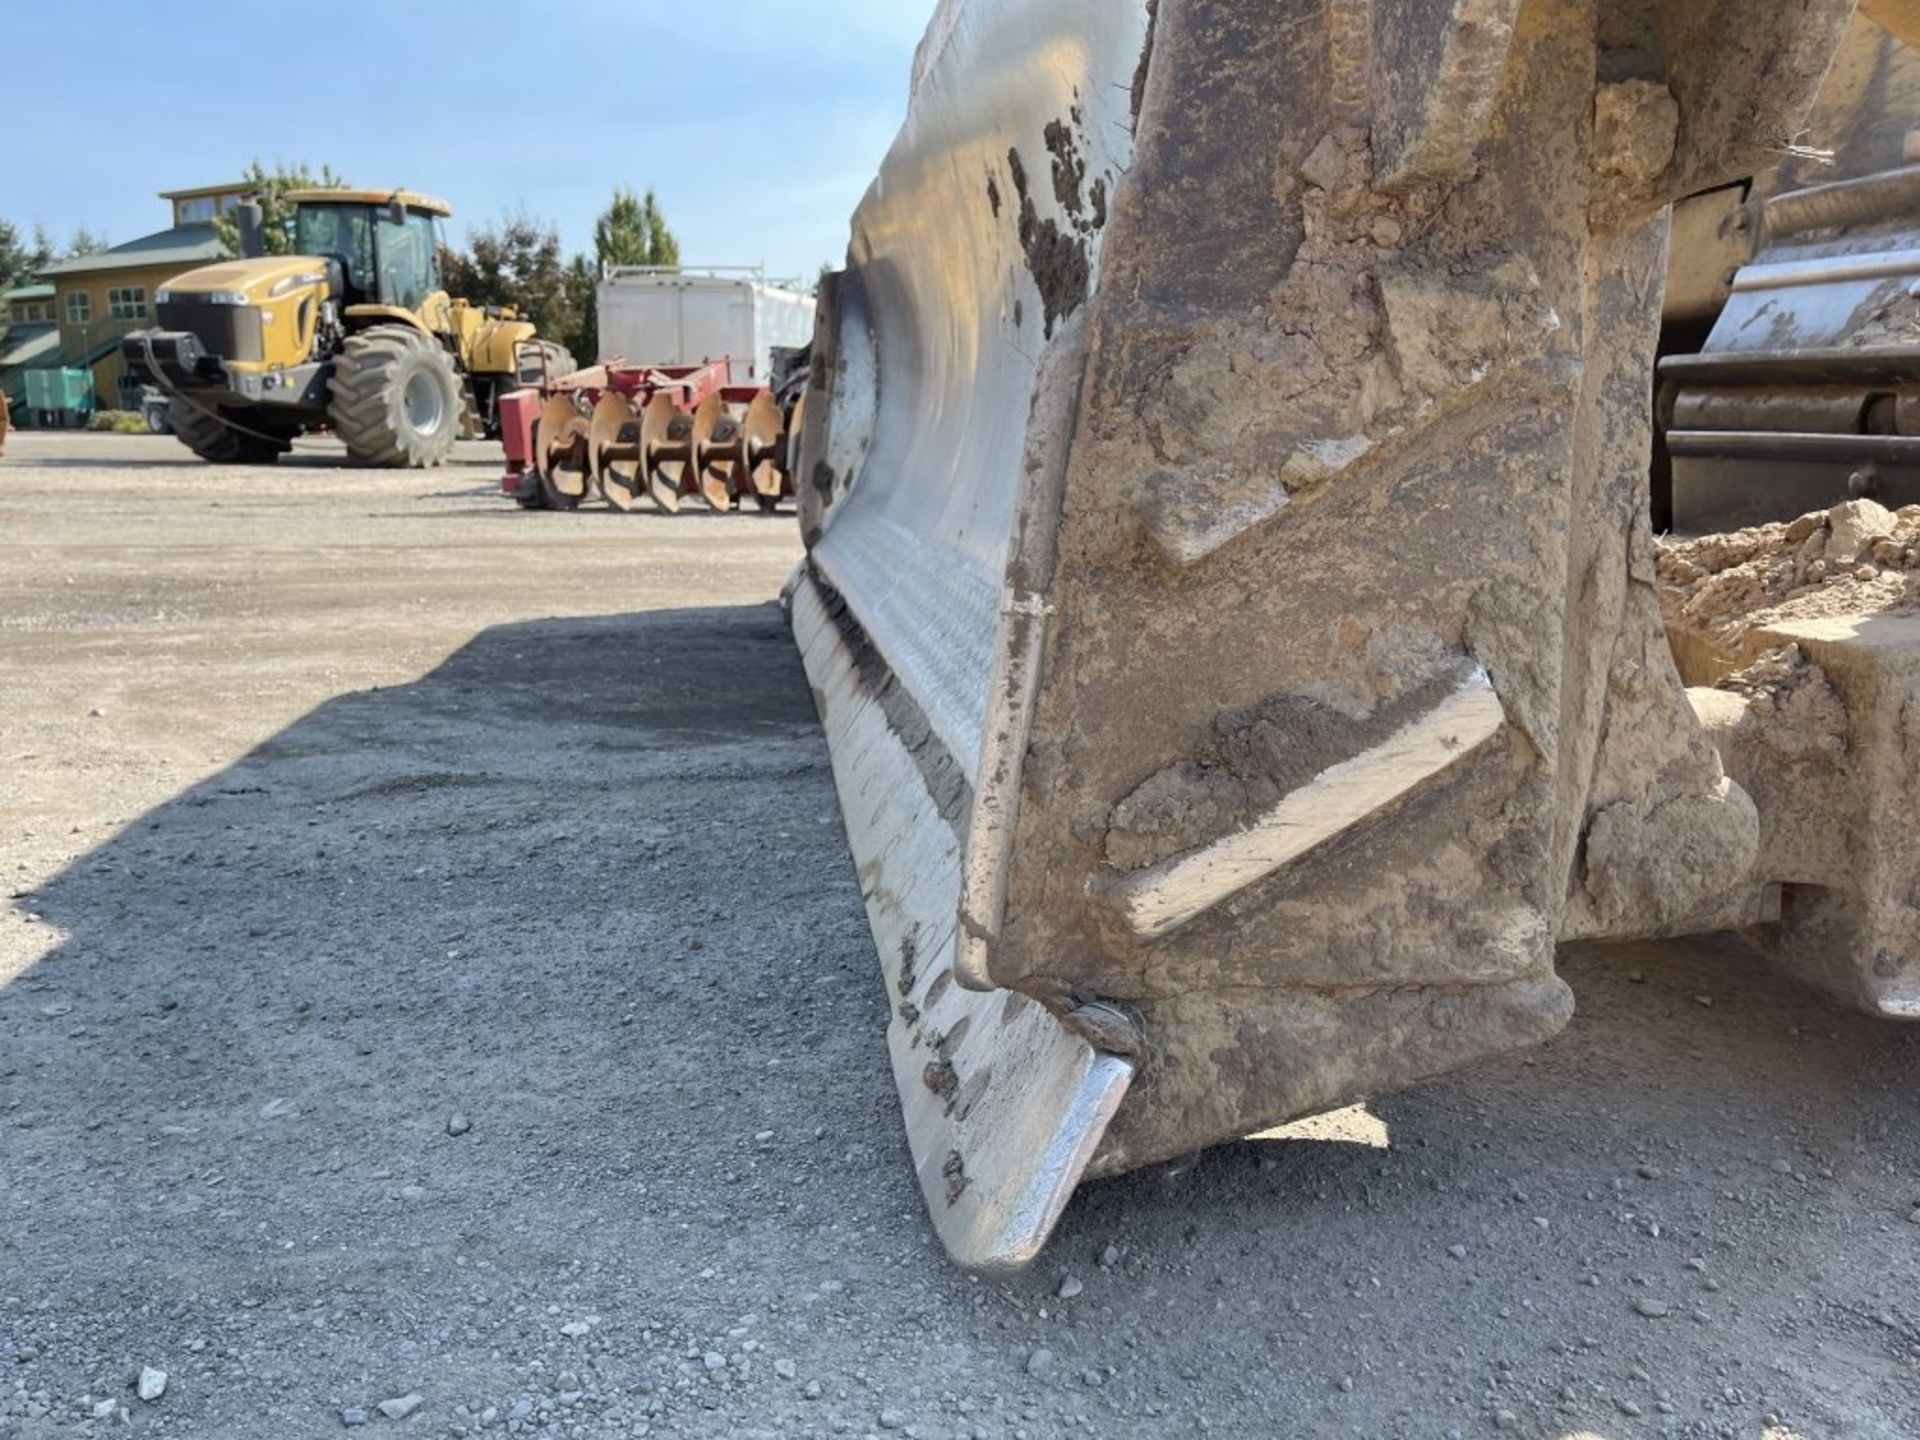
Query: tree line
{"points": [[518, 261], [22, 260]]}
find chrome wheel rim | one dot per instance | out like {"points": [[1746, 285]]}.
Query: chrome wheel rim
{"points": [[425, 406]]}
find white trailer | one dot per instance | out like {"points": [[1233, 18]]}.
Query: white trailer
{"points": [[656, 315]]}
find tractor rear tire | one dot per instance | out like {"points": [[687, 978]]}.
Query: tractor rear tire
{"points": [[211, 434], [395, 399]]}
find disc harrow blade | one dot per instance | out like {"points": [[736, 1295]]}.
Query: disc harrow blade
{"points": [[719, 453], [614, 451], [765, 433], [560, 451], [666, 450]]}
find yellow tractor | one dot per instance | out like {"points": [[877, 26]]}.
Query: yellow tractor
{"points": [[351, 331]]}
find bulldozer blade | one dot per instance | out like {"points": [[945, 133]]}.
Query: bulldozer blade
{"points": [[613, 449], [1004, 1106], [1224, 481], [666, 448]]}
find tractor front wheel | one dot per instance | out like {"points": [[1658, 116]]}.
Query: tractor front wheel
{"points": [[395, 399]]}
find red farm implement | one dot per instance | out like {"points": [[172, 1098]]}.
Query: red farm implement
{"points": [[666, 432]]}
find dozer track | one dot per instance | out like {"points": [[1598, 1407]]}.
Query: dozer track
{"points": [[1230, 595]]}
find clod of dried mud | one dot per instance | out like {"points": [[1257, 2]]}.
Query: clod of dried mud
{"points": [[1718, 592]]}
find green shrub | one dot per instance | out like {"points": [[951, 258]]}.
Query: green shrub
{"points": [[118, 422]]}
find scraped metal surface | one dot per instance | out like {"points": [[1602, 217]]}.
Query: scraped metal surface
{"points": [[959, 322], [1004, 1106]]}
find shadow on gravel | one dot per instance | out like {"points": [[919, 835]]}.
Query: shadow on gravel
{"points": [[584, 884], [538, 992]]}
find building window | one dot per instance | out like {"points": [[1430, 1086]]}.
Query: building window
{"points": [[200, 209], [127, 302], [32, 312], [79, 307]]}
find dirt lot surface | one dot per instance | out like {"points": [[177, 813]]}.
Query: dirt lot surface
{"points": [[434, 974]]}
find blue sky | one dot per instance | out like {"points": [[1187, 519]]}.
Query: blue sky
{"points": [[758, 122]]}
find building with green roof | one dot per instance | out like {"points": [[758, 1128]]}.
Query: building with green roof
{"points": [[98, 298], [29, 339]]}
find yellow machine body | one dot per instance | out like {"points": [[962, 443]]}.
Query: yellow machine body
{"points": [[285, 291]]}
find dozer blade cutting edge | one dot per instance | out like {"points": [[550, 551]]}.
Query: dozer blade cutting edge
{"points": [[1228, 594]]}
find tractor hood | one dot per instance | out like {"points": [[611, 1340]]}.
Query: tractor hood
{"points": [[247, 282]]}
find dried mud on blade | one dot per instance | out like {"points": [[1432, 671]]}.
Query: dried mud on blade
{"points": [[1226, 598]]}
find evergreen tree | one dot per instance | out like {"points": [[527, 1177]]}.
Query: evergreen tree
{"points": [[633, 231], [269, 188]]}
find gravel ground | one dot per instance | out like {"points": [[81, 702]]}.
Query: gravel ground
{"points": [[434, 985]]}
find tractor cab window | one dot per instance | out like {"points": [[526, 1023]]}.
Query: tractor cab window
{"points": [[408, 269], [343, 233]]}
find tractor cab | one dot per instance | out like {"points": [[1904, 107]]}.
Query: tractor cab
{"points": [[382, 243]]}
